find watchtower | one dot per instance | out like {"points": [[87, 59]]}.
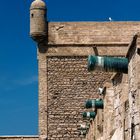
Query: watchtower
{"points": [[38, 29]]}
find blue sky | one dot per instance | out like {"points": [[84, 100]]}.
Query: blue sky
{"points": [[18, 63]]}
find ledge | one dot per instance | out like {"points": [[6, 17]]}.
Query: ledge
{"points": [[91, 32]]}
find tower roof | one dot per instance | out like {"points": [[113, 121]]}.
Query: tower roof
{"points": [[38, 4]]}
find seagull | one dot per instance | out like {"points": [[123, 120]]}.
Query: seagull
{"points": [[110, 19]]}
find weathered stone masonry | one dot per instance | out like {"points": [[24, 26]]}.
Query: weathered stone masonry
{"points": [[121, 119], [68, 62], [71, 48], [65, 84], [69, 85]]}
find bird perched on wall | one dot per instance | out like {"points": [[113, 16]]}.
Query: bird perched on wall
{"points": [[110, 19], [100, 90]]}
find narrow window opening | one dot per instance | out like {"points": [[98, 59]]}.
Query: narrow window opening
{"points": [[32, 15]]}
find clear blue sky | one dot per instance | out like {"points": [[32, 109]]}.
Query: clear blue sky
{"points": [[18, 63]]}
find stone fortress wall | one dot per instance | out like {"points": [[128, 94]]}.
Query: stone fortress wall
{"points": [[65, 83], [121, 113], [69, 84]]}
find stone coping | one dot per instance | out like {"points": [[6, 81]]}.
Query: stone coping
{"points": [[91, 33]]}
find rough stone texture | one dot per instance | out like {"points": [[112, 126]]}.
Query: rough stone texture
{"points": [[42, 95], [121, 103], [103, 50], [134, 91], [69, 86], [119, 111], [91, 32], [96, 127], [108, 113], [91, 132], [99, 124], [111, 122]]}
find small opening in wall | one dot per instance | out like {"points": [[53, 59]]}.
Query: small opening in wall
{"points": [[138, 50], [32, 15], [132, 131]]}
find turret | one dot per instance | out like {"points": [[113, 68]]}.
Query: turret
{"points": [[38, 29]]}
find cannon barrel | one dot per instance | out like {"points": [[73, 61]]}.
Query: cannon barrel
{"points": [[108, 64], [95, 103]]}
